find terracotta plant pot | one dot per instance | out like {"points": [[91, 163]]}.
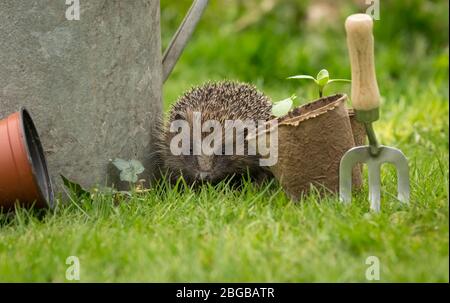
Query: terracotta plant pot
{"points": [[311, 142], [23, 168]]}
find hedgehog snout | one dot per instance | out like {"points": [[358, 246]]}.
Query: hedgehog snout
{"points": [[205, 163], [203, 176]]}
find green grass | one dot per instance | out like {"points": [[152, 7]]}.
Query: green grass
{"points": [[257, 233], [220, 234]]}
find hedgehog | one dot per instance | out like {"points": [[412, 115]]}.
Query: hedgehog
{"points": [[218, 101]]}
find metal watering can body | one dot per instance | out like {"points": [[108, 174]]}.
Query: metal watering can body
{"points": [[93, 85]]}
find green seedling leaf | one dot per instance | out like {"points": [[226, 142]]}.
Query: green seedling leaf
{"points": [[303, 77], [137, 166], [282, 107], [128, 175], [121, 164], [339, 80], [129, 170], [76, 189], [323, 77]]}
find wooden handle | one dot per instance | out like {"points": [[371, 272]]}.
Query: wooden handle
{"points": [[365, 93]]}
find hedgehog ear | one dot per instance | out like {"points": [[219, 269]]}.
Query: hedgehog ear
{"points": [[179, 116]]}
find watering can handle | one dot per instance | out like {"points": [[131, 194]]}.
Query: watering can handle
{"points": [[360, 42], [181, 37]]}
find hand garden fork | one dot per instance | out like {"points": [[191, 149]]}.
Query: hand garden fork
{"points": [[365, 100]]}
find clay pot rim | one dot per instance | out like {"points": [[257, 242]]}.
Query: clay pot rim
{"points": [[29, 131], [311, 109]]}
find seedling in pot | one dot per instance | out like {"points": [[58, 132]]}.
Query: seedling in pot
{"points": [[322, 79]]}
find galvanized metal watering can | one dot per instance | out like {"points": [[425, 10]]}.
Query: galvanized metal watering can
{"points": [[93, 85]]}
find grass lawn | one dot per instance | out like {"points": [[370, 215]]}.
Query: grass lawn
{"points": [[257, 233]]}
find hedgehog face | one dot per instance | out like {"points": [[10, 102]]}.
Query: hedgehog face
{"points": [[208, 168], [220, 101]]}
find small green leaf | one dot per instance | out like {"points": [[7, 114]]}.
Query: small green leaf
{"points": [[121, 164], [137, 166], [128, 175], [282, 107], [322, 77], [129, 170], [339, 80], [303, 77]]}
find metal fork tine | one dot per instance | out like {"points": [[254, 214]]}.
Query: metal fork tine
{"points": [[396, 157], [403, 181], [374, 184], [361, 154]]}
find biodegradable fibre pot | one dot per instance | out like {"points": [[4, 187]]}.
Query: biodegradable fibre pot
{"points": [[23, 168], [311, 142]]}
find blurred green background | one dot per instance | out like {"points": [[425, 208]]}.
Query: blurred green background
{"points": [[264, 41]]}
